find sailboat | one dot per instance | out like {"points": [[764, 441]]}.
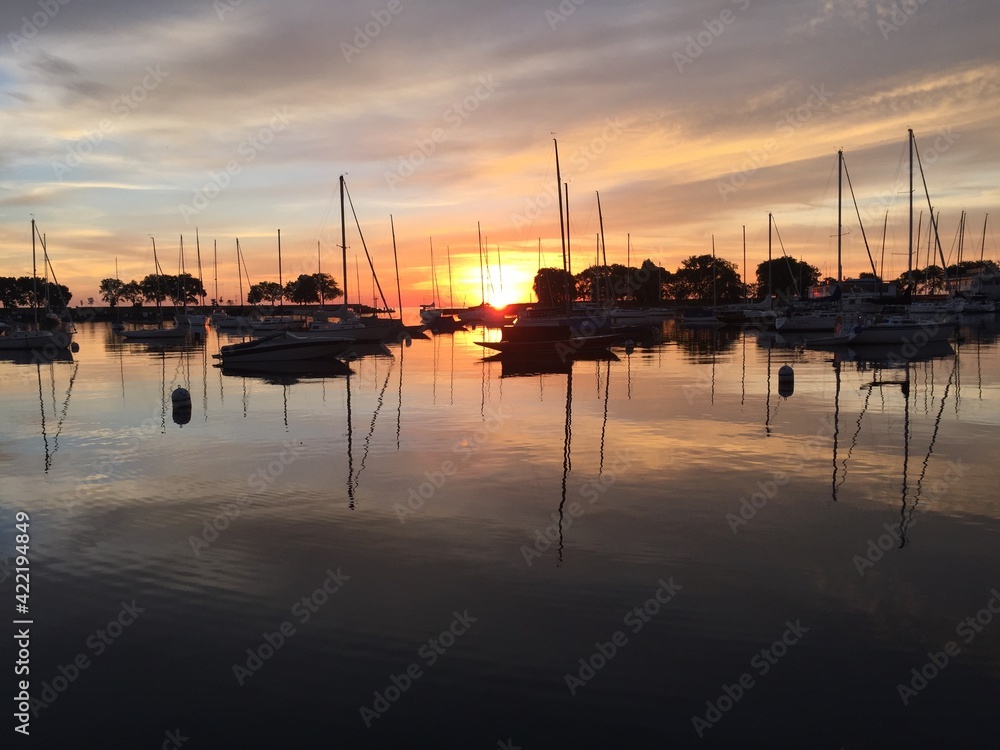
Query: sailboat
{"points": [[431, 313], [895, 329], [483, 314], [375, 329], [562, 333], [52, 341], [147, 334]]}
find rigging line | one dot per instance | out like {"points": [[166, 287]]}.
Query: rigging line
{"points": [[860, 223], [350, 449], [41, 404], [604, 423], [854, 440], [930, 446], [371, 429], [567, 461], [371, 265]]}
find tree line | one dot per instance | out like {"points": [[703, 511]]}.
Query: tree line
{"points": [[31, 291], [699, 277], [185, 289]]}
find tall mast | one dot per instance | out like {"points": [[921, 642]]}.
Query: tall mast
{"points": [[840, 231], [499, 271], [343, 238], [569, 251], [982, 248], [34, 274], [434, 286], [909, 252], [961, 236], [215, 260], [562, 225], [482, 277], [451, 291], [714, 298], [281, 285], [395, 260], [770, 269], [156, 268], [319, 275], [197, 244], [745, 288], [604, 249], [239, 271]]}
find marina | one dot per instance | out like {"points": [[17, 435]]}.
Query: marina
{"points": [[597, 546]]}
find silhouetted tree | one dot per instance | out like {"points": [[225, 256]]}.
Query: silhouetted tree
{"points": [[787, 274], [550, 286]]}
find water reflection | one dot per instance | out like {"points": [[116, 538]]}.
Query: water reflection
{"points": [[889, 370]]}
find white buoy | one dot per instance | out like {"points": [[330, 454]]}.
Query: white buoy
{"points": [[786, 381]]}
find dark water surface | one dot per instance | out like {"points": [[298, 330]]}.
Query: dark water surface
{"points": [[442, 552]]}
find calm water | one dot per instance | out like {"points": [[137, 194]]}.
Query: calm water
{"points": [[442, 552]]}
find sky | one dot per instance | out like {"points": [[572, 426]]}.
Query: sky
{"points": [[124, 122]]}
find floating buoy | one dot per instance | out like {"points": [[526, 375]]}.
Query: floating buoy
{"points": [[629, 346], [181, 398], [786, 381], [74, 347]]}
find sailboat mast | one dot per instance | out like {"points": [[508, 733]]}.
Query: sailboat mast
{"points": [[343, 238], [34, 274], [215, 261], [961, 237], [746, 297], [909, 252], [982, 247], [395, 260], [714, 296], [604, 249], [281, 285], [239, 270], [562, 227], [840, 231], [770, 269], [197, 244], [482, 277], [319, 275], [451, 289]]}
